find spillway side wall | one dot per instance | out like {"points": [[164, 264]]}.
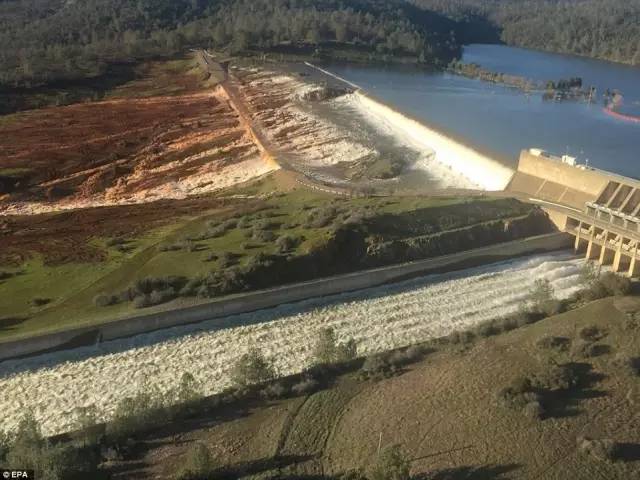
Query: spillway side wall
{"points": [[252, 301]]}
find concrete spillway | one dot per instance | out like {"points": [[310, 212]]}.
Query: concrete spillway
{"points": [[378, 319], [478, 168]]}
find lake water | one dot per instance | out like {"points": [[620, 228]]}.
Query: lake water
{"points": [[505, 120]]}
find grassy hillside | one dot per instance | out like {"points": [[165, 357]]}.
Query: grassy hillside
{"points": [[131, 260], [448, 412]]}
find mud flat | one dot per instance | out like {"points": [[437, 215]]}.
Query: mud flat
{"points": [[378, 319]]}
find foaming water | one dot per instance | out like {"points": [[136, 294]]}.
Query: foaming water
{"points": [[477, 168], [378, 319]]}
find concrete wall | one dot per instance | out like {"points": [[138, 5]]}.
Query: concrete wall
{"points": [[590, 182], [252, 301]]}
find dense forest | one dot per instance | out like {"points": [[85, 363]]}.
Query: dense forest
{"points": [[608, 30], [58, 40], [49, 41]]}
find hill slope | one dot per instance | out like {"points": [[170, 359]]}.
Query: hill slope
{"points": [[446, 412]]}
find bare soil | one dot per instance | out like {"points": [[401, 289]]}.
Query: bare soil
{"points": [[65, 237]]}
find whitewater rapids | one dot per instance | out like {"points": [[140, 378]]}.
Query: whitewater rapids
{"points": [[53, 386], [479, 169]]}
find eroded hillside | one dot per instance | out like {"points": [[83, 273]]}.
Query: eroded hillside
{"points": [[132, 149]]}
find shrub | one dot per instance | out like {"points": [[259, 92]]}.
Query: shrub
{"points": [[39, 302], [189, 390], [161, 296], [229, 224], [211, 257], [328, 351], [142, 301], [263, 236], [136, 414], [274, 391], [227, 259], [5, 444], [534, 410], [605, 450], [198, 463], [116, 241], [191, 287], [321, 217], [229, 281], [541, 299], [518, 394], [147, 285], [590, 350], [508, 323], [588, 274], [557, 378], [252, 368], [353, 475], [392, 464], [591, 333], [377, 366], [488, 329], [409, 355], [614, 284], [286, 243], [259, 260], [244, 222], [559, 344], [104, 300], [87, 432], [306, 386], [267, 225], [5, 275], [633, 365], [172, 247], [28, 449]]}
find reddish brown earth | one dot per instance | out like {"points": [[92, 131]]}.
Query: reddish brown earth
{"points": [[145, 157], [87, 148], [64, 237]]}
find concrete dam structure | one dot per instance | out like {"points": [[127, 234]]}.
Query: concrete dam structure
{"points": [[600, 209]]}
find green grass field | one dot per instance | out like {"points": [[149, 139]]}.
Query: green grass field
{"points": [[40, 298]]}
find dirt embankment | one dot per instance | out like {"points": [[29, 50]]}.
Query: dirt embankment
{"points": [[123, 151]]}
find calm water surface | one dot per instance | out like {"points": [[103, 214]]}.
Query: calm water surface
{"points": [[505, 120]]}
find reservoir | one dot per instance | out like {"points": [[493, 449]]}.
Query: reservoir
{"points": [[502, 120]]}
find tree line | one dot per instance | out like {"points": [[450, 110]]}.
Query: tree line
{"points": [[606, 30], [48, 41]]}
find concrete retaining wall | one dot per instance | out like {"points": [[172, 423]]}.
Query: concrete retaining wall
{"points": [[590, 182], [253, 301]]}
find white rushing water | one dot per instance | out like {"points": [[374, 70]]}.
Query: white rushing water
{"points": [[53, 386], [478, 169]]}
